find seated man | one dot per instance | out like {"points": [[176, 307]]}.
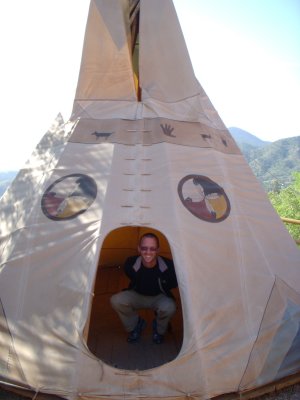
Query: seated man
{"points": [[151, 279]]}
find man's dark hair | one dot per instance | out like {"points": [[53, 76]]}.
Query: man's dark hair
{"points": [[149, 235]]}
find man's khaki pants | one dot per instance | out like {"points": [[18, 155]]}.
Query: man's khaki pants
{"points": [[127, 302]]}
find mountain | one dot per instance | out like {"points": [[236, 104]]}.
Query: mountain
{"points": [[272, 162], [5, 180], [246, 138]]}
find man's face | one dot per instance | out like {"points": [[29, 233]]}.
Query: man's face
{"points": [[148, 250]]}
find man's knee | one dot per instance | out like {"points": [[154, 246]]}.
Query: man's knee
{"points": [[116, 300], [168, 307]]}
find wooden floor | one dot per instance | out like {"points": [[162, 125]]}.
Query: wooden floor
{"points": [[107, 337]]}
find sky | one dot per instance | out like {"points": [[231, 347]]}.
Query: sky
{"points": [[245, 54]]}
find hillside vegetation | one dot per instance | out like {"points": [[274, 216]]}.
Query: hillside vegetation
{"points": [[272, 163]]}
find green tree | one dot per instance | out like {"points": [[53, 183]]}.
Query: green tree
{"points": [[287, 204]]}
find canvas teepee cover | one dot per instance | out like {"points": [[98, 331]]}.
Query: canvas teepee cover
{"points": [[163, 161]]}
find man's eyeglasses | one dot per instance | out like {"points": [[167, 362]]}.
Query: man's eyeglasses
{"points": [[144, 248]]}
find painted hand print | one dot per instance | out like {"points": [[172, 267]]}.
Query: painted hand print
{"points": [[167, 130]]}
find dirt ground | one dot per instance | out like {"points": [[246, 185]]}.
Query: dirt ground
{"points": [[290, 393]]}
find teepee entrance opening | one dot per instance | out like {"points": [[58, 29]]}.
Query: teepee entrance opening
{"points": [[107, 337]]}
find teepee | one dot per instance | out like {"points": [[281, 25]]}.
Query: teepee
{"points": [[144, 150]]}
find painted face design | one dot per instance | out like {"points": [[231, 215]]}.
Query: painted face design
{"points": [[204, 198], [68, 197]]}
